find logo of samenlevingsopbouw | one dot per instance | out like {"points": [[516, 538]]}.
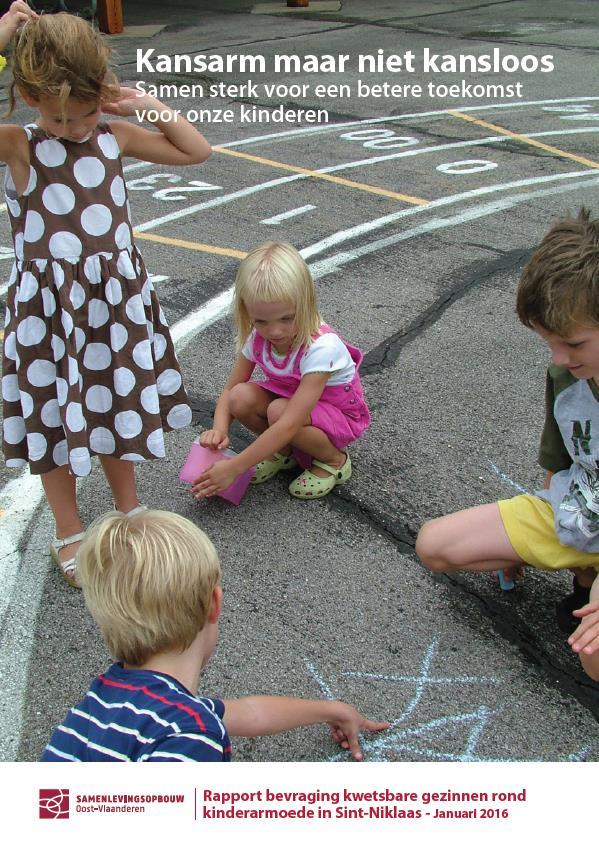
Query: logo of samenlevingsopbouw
{"points": [[54, 803]]}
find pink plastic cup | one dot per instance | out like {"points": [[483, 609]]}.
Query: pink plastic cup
{"points": [[201, 458]]}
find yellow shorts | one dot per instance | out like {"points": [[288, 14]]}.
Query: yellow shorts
{"points": [[530, 527]]}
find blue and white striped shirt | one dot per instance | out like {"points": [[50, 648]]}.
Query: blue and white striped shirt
{"points": [[140, 716]]}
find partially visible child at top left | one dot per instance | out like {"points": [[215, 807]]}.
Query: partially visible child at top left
{"points": [[89, 366]]}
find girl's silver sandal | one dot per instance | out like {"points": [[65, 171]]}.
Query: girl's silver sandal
{"points": [[68, 568]]}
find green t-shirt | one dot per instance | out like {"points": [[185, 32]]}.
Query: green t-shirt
{"points": [[570, 448]]}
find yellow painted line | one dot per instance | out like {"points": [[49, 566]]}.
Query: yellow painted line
{"points": [[525, 139], [338, 180], [191, 245]]}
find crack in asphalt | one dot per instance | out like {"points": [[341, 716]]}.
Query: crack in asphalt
{"points": [[385, 354]]}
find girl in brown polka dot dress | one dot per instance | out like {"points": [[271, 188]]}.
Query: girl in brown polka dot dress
{"points": [[89, 365]]}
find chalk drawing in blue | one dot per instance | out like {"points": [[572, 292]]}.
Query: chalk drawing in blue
{"points": [[456, 736], [505, 477]]}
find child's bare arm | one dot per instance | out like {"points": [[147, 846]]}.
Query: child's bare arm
{"points": [[217, 438], [177, 143], [254, 716], [585, 639]]}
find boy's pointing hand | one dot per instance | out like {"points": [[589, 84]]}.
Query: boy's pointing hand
{"points": [[348, 724]]}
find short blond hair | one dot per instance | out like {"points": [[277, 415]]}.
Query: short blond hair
{"points": [[148, 582], [62, 56], [559, 287], [276, 273]]}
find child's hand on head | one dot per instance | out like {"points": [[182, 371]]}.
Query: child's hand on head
{"points": [[585, 639], [348, 724], [214, 439], [128, 100], [18, 14]]}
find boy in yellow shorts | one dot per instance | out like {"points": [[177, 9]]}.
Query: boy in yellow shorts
{"points": [[557, 528]]}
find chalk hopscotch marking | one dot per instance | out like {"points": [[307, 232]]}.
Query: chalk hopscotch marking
{"points": [[413, 739], [285, 216]]}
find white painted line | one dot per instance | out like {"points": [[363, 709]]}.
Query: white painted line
{"points": [[188, 327], [22, 587], [217, 201], [378, 223], [137, 165], [454, 145], [18, 499], [466, 166], [293, 213], [328, 266], [185, 330], [329, 128]]}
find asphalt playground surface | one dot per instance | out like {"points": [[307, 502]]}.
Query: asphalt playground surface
{"points": [[416, 215]]}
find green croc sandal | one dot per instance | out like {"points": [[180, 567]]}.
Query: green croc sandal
{"points": [[308, 486], [268, 468]]}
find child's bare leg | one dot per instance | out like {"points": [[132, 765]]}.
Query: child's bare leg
{"points": [[248, 403], [317, 444], [120, 475], [60, 487], [470, 540], [309, 439]]}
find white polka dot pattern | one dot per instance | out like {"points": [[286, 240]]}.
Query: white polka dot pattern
{"points": [[34, 226], [51, 153], [89, 172], [58, 199], [65, 245], [96, 219], [89, 363]]}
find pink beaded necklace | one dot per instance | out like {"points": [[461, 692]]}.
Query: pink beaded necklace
{"points": [[280, 365]]}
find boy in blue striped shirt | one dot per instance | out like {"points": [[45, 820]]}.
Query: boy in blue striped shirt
{"points": [[152, 584]]}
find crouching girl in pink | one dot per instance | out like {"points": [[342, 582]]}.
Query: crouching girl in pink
{"points": [[310, 405]]}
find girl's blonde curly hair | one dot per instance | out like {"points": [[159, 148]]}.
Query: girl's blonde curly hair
{"points": [[62, 56]]}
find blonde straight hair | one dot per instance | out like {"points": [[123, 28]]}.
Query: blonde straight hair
{"points": [[148, 582], [276, 273]]}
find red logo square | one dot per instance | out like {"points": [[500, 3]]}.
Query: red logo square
{"points": [[54, 803]]}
